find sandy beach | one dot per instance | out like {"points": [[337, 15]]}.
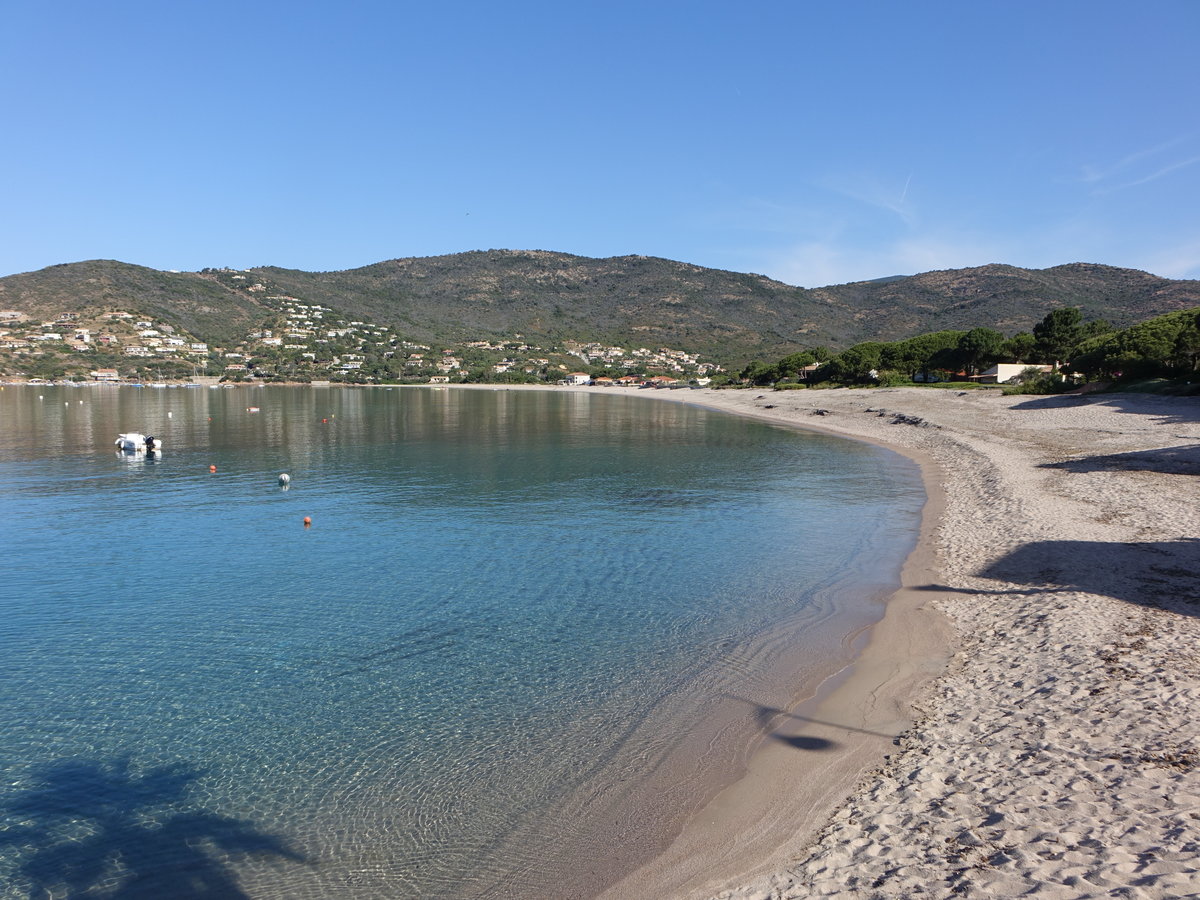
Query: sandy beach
{"points": [[1023, 722]]}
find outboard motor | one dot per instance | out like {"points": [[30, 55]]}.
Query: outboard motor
{"points": [[149, 443]]}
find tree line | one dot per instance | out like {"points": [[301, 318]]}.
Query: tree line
{"points": [[1163, 347]]}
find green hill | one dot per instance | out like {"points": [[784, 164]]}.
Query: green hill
{"points": [[633, 300], [1007, 298], [198, 304]]}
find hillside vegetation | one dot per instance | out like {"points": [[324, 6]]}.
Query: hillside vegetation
{"points": [[196, 303], [547, 299], [1061, 351]]}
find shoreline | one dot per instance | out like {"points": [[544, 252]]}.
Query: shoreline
{"points": [[1055, 755], [805, 764], [783, 798]]}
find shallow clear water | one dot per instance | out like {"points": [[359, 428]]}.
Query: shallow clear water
{"points": [[511, 607]]}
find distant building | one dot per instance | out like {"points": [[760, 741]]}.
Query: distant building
{"points": [[806, 373], [1005, 373], [578, 378]]}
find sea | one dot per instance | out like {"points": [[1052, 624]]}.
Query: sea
{"points": [[483, 643]]}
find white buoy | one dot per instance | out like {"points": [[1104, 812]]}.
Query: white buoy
{"points": [[284, 479], [168, 415]]}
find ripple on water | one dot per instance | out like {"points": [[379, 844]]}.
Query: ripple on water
{"points": [[458, 662]]}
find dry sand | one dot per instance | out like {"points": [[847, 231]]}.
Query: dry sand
{"points": [[1041, 671]]}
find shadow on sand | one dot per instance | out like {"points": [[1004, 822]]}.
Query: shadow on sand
{"points": [[1162, 574], [767, 718], [87, 829], [1160, 408], [1167, 460]]}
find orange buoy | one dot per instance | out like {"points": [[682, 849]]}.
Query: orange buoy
{"points": [[212, 468], [307, 522]]}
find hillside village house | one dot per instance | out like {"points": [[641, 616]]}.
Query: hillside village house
{"points": [[578, 378]]}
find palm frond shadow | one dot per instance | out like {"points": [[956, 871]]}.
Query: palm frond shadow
{"points": [[82, 828]]}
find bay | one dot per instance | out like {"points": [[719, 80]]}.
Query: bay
{"points": [[525, 628]]}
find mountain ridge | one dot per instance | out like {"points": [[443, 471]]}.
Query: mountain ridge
{"points": [[630, 300]]}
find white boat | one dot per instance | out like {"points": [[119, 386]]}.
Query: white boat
{"points": [[135, 442]]}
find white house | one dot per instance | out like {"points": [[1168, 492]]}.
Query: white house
{"points": [[1005, 373], [578, 378]]}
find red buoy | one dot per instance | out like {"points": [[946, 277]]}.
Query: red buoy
{"points": [[212, 468], [307, 522]]}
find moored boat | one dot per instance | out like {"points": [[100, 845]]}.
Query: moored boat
{"points": [[136, 442]]}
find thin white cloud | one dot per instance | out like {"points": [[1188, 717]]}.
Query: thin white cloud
{"points": [[832, 261], [875, 192], [1165, 170], [1093, 173], [1130, 171]]}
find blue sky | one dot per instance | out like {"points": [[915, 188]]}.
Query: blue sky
{"points": [[816, 143]]}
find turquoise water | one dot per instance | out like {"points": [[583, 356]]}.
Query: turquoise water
{"points": [[517, 619]]}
